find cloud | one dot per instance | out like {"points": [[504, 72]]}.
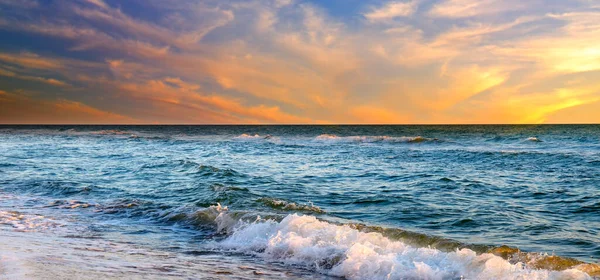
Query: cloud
{"points": [[173, 92], [283, 61], [98, 3], [474, 8], [30, 60], [20, 109], [138, 29], [392, 10], [572, 48], [50, 81]]}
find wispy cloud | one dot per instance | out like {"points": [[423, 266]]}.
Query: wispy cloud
{"points": [[16, 108], [392, 10], [50, 81], [476, 8]]}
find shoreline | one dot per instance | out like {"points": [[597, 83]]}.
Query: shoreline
{"points": [[32, 250], [45, 255]]}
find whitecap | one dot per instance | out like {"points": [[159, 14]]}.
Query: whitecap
{"points": [[342, 251], [534, 139], [252, 137]]}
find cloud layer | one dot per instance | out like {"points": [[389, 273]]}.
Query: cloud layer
{"points": [[284, 61]]}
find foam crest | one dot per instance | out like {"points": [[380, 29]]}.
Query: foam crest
{"points": [[534, 139], [245, 136], [248, 136], [340, 250]]}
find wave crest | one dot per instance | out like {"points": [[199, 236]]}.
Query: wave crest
{"points": [[245, 136], [343, 251], [290, 206], [373, 139], [534, 139]]}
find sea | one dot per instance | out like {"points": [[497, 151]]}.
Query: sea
{"points": [[300, 202]]}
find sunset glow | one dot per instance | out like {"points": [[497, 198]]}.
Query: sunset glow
{"points": [[300, 61]]}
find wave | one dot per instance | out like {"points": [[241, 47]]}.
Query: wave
{"points": [[114, 132], [70, 204], [63, 188], [192, 167], [27, 222], [289, 206], [208, 170], [373, 139], [110, 132], [245, 136], [132, 207], [224, 188], [218, 217], [533, 139], [345, 251], [559, 155]]}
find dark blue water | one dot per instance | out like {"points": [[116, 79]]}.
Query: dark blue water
{"points": [[535, 188]]}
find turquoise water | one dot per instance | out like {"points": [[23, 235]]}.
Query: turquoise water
{"points": [[438, 188]]}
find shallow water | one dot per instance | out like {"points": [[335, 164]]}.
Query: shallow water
{"points": [[370, 201]]}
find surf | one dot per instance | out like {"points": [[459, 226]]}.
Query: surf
{"points": [[343, 251]]}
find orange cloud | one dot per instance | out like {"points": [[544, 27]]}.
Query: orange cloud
{"points": [[259, 114], [30, 60], [459, 61], [49, 81], [19, 109], [175, 92]]}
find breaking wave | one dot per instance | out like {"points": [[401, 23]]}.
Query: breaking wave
{"points": [[534, 139], [345, 251]]}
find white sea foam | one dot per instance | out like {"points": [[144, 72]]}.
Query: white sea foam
{"points": [[255, 137], [534, 139], [249, 136], [339, 250]]}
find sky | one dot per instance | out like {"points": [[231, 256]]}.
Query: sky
{"points": [[299, 61]]}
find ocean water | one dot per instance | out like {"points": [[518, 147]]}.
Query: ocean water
{"points": [[294, 202]]}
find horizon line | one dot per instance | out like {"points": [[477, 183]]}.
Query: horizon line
{"points": [[297, 124]]}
